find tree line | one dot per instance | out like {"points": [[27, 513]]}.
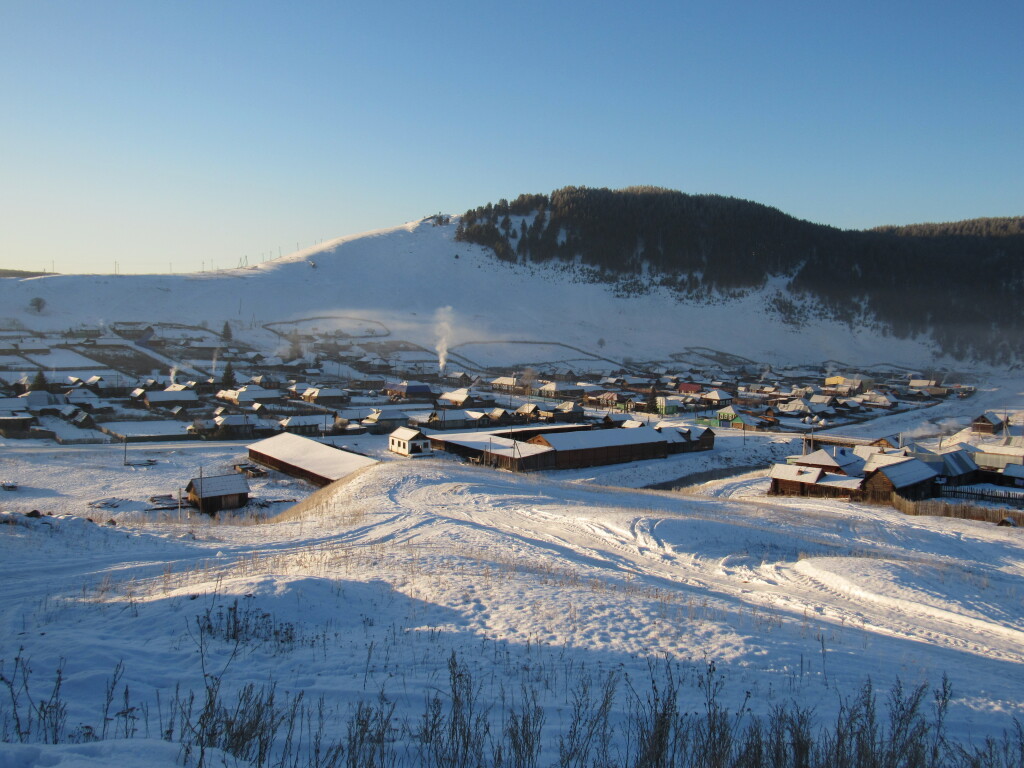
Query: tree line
{"points": [[961, 282]]}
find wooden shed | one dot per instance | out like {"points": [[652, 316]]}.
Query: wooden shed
{"points": [[212, 494]]}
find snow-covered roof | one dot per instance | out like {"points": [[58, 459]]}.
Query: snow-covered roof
{"points": [[323, 460], [716, 394], [1014, 470], [601, 438], [909, 472], [307, 420], [796, 473], [219, 485], [495, 444], [165, 396], [407, 433]]}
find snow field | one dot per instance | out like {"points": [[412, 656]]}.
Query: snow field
{"points": [[529, 581]]}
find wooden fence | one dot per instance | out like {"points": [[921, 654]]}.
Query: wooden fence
{"points": [[961, 510], [998, 497]]}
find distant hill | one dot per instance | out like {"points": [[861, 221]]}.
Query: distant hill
{"points": [[20, 273], [959, 283]]}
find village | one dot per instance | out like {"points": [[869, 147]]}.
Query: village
{"points": [[133, 383]]}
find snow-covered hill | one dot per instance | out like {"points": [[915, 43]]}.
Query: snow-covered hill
{"points": [[402, 277]]}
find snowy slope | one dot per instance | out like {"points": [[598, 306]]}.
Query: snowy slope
{"points": [[529, 579], [402, 277]]}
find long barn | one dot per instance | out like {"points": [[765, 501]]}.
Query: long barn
{"points": [[307, 459], [603, 446]]}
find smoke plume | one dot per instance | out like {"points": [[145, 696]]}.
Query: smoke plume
{"points": [[443, 330]]}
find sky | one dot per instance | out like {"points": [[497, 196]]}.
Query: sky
{"points": [[187, 136]]}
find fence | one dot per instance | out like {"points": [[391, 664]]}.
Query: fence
{"points": [[999, 497], [961, 511]]}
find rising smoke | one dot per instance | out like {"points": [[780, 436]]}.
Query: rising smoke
{"points": [[443, 330]]}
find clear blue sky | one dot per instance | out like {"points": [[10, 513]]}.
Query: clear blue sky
{"points": [[190, 134]]}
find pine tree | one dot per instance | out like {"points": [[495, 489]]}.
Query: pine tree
{"points": [[227, 379], [38, 383], [226, 332]]}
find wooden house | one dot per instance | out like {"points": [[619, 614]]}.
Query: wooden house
{"points": [[460, 398], [794, 480], [382, 422], [686, 439], [410, 391], [326, 396], [212, 494], [568, 412], [309, 424], [911, 479], [1012, 475], [987, 423], [529, 412]]}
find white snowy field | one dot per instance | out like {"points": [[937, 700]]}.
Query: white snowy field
{"points": [[369, 586], [406, 282]]}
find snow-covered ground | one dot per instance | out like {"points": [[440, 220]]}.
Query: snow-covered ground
{"points": [[416, 283], [369, 586], [362, 591]]}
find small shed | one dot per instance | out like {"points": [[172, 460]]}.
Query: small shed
{"points": [[212, 494], [406, 441]]}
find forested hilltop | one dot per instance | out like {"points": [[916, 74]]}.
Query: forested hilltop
{"points": [[961, 283]]}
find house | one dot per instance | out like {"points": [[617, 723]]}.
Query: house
{"points": [[686, 439], [309, 424], [838, 461], [307, 459], [249, 394], [505, 384], [954, 467], [15, 420], [560, 390], [568, 412], [529, 412], [873, 399], [910, 478], [170, 398], [406, 441], [795, 480], [458, 379], [716, 398], [987, 423], [406, 390], [1013, 475], [212, 494], [460, 398], [444, 418], [326, 396], [233, 426], [382, 422]]}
